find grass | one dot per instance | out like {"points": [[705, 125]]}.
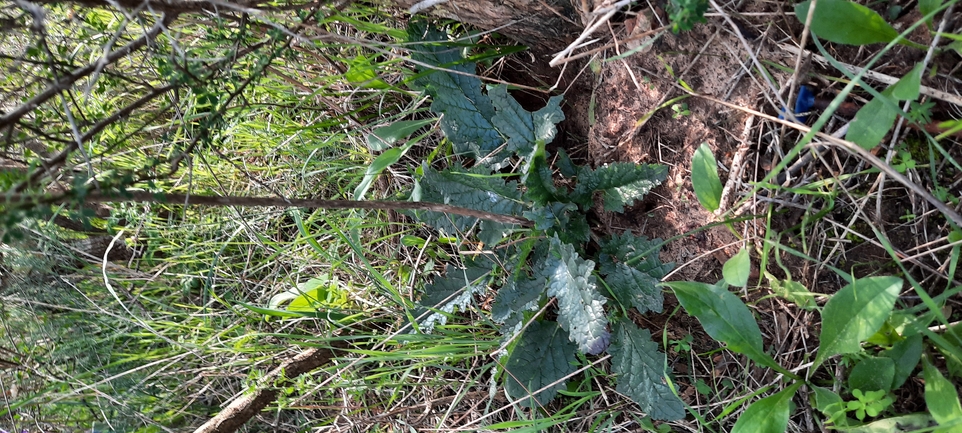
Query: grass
{"points": [[163, 341]]}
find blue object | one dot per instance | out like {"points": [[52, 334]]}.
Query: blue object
{"points": [[803, 103]]}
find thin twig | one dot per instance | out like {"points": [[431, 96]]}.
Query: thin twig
{"points": [[204, 200]]}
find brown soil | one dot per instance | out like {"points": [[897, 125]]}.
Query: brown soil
{"points": [[633, 88]]}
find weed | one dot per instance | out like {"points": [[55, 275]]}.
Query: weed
{"points": [[680, 110], [683, 345], [546, 262], [684, 14]]}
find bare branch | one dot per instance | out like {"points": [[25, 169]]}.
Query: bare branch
{"points": [[206, 200], [245, 407], [68, 81]]}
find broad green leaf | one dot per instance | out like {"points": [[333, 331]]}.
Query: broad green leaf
{"points": [[949, 348], [846, 22], [736, 269], [362, 72], [413, 241], [906, 355], [382, 161], [704, 178], [907, 88], [384, 137], [324, 296], [549, 216], [536, 176], [457, 94], [825, 399], [768, 415], [872, 122], [792, 291], [621, 182], [573, 228], [562, 219], [638, 252], [310, 295], [543, 355], [524, 128], [581, 309], [471, 189], [565, 165], [456, 289], [854, 314], [872, 374], [886, 336], [927, 6], [633, 288], [941, 398], [640, 371], [516, 297], [724, 317]]}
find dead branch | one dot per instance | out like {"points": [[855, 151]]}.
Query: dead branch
{"points": [[205, 200], [248, 405]]}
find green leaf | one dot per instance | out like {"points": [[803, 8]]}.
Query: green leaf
{"points": [[907, 88], [561, 219], [927, 6], [581, 309], [523, 128], [413, 241], [846, 22], [638, 252], [825, 399], [362, 72], [872, 374], [574, 228], [872, 122], [311, 295], [793, 291], [768, 415], [333, 315], [622, 184], [473, 190], [536, 176], [949, 348], [906, 355], [549, 216], [382, 161], [736, 269], [640, 371], [704, 178], [565, 165], [516, 297], [385, 136], [543, 355], [724, 317], [456, 94], [684, 14], [941, 397], [854, 314], [886, 336], [635, 288], [456, 289]]}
